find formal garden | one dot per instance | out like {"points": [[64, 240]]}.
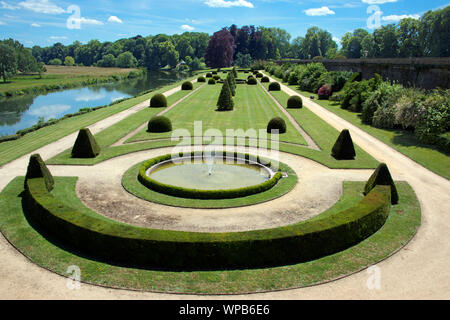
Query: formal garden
{"points": [[224, 183]]}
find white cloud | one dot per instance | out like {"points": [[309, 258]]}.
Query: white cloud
{"points": [[378, 1], [8, 6], [2, 23], [337, 40], [58, 38], [187, 27], [114, 19], [395, 18], [84, 20], [90, 97], [319, 11], [41, 6], [35, 25], [228, 4]]}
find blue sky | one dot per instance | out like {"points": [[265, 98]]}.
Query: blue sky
{"points": [[44, 22]]}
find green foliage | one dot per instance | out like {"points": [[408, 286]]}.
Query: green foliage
{"points": [[85, 146], [8, 61], [38, 169], [378, 107], [225, 102], [382, 177], [69, 61], [187, 85], [201, 79], [231, 83], [355, 93], [277, 123], [295, 102], [243, 60], [274, 86], [159, 100], [107, 61], [126, 60], [55, 62], [309, 78], [344, 149], [259, 75], [211, 81], [265, 79], [159, 124], [209, 75]]}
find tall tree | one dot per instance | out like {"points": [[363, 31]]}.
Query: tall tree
{"points": [[220, 51], [8, 61]]}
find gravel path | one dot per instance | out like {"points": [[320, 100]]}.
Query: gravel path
{"points": [[419, 271]]}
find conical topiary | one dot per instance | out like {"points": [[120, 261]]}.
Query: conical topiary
{"points": [[38, 169], [85, 146], [343, 148], [231, 84], [225, 101], [382, 177]]}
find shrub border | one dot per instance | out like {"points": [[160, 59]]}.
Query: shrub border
{"points": [[203, 194]]}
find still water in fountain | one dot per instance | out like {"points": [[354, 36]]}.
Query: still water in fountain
{"points": [[201, 175]]}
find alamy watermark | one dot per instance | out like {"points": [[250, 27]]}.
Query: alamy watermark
{"points": [[74, 279]]}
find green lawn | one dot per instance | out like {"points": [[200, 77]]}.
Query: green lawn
{"points": [[402, 224], [12, 150], [253, 110], [401, 140]]}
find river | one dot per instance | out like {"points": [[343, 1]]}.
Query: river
{"points": [[25, 111]]}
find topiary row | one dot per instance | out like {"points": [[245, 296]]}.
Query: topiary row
{"points": [[200, 194], [252, 81], [158, 101], [274, 86], [133, 246], [159, 124], [265, 79], [187, 86], [295, 102], [201, 79]]}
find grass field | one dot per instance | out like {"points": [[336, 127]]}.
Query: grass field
{"points": [[60, 75], [400, 227], [253, 110]]}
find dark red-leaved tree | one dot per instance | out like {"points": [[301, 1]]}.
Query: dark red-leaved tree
{"points": [[220, 51]]}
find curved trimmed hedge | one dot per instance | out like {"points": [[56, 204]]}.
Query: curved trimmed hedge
{"points": [[201, 194], [158, 101], [274, 86], [176, 250], [187, 86]]}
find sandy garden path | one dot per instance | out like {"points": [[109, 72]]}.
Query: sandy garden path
{"points": [[420, 270]]}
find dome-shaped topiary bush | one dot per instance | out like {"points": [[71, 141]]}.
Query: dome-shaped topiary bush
{"points": [[295, 102], [159, 124], [250, 76], [158, 101], [209, 75], [201, 79], [216, 78], [252, 81], [259, 75], [211, 81], [214, 72], [265, 79], [274, 86], [277, 124], [187, 86]]}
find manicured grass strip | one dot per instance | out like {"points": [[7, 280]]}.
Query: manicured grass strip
{"points": [[253, 110], [12, 150], [132, 185], [403, 141], [400, 227]]}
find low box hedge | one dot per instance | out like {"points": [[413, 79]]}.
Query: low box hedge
{"points": [[132, 246], [202, 194]]}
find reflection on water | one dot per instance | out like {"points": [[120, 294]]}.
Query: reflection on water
{"points": [[23, 112]]}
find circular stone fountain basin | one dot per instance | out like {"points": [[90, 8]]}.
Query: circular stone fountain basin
{"points": [[201, 174]]}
